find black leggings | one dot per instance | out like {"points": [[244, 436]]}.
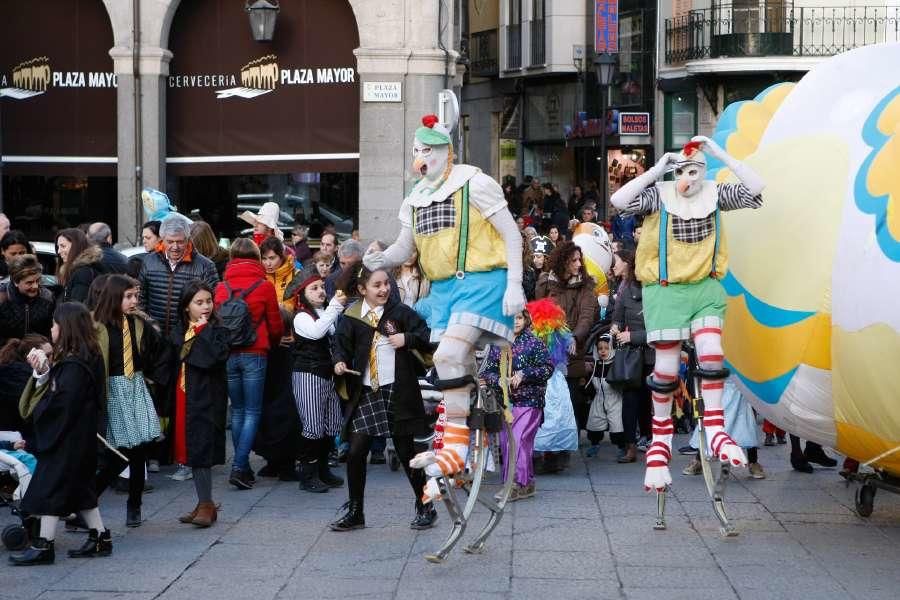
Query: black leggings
{"points": [[315, 450], [360, 443], [580, 402], [111, 465]]}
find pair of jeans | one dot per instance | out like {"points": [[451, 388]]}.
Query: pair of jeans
{"points": [[246, 381]]}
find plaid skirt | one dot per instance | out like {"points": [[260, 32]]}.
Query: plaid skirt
{"points": [[374, 413], [131, 417]]}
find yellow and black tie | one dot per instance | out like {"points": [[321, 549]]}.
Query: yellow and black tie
{"points": [[373, 352], [127, 357]]}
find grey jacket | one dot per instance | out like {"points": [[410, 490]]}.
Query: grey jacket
{"points": [[161, 286]]}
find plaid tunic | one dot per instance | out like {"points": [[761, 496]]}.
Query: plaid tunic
{"points": [[374, 413], [132, 420], [732, 196]]}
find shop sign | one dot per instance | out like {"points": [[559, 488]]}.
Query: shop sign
{"points": [[382, 91], [34, 77], [583, 127], [606, 26], [634, 123]]}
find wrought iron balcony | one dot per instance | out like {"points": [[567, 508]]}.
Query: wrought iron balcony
{"points": [[484, 53], [538, 43], [777, 28]]}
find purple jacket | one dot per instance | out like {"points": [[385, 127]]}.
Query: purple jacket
{"points": [[530, 356]]}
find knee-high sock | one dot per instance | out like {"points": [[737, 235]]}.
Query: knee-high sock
{"points": [[668, 356], [91, 516], [708, 341], [48, 527]]}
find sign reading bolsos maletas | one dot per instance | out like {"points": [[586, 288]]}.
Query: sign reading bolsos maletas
{"points": [[634, 123]]}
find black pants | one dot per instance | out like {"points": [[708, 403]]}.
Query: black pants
{"points": [[580, 402], [636, 413], [315, 450], [111, 465], [797, 452], [360, 444]]}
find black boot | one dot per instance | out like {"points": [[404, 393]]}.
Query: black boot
{"points": [[309, 478], [426, 515], [800, 463], [97, 544], [133, 516], [40, 552], [815, 454], [288, 472], [76, 523], [352, 519], [325, 474]]}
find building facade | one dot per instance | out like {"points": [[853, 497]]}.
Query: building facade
{"points": [[101, 98]]}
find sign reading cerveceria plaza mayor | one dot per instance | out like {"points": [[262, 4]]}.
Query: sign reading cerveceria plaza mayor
{"points": [[36, 76]]}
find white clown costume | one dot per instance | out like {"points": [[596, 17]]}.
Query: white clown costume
{"points": [[681, 258], [470, 249]]}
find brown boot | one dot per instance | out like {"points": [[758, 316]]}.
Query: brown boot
{"points": [[206, 514], [630, 455], [189, 517]]}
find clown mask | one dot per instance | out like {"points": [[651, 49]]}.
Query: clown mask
{"points": [[429, 162], [690, 170]]}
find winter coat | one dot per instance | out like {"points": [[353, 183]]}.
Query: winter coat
{"points": [[531, 357], [580, 305], [353, 340], [628, 314], [81, 274], [113, 261], [240, 274], [161, 286], [281, 278], [206, 390], [529, 282], [65, 442], [20, 315], [14, 376], [278, 436]]}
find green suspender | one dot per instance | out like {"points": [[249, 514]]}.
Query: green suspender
{"points": [[712, 271], [663, 240], [463, 234]]}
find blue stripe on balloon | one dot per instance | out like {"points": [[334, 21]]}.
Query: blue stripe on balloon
{"points": [[765, 314], [769, 391], [867, 203]]}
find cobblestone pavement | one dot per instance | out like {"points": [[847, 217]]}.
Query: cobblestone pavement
{"points": [[587, 534]]}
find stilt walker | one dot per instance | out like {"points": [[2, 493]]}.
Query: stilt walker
{"points": [[469, 247], [681, 258]]}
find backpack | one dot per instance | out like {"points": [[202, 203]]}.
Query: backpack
{"points": [[235, 315]]}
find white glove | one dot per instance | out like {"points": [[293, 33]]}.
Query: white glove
{"points": [[659, 169], [374, 259], [745, 174], [513, 299], [396, 254]]}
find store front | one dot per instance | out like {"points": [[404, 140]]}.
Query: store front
{"points": [[57, 116], [249, 122]]}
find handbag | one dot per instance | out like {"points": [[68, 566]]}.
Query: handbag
{"points": [[627, 370]]}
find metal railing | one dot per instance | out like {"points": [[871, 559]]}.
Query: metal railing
{"points": [[777, 28], [538, 43], [484, 53], [514, 46]]}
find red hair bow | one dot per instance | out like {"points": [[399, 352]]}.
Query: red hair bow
{"points": [[691, 147]]}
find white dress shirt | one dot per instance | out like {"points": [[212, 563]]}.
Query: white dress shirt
{"points": [[384, 352]]}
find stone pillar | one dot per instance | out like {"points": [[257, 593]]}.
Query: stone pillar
{"points": [[398, 43]]}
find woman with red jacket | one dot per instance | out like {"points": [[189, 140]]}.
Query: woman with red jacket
{"points": [[247, 364]]}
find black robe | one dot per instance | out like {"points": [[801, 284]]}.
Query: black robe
{"points": [[206, 389], [278, 436], [65, 442], [353, 339]]}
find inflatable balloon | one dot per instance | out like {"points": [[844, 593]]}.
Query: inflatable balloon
{"points": [[813, 323], [596, 251]]}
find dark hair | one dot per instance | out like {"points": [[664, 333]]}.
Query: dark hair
{"points": [[302, 304], [244, 248], [16, 350], [77, 336], [24, 266], [79, 242], [204, 240], [152, 226], [528, 321], [627, 256], [351, 279], [14, 237], [334, 235], [272, 244], [187, 294], [96, 289], [287, 320], [108, 307], [559, 260]]}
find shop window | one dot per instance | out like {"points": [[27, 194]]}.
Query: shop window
{"points": [[680, 119], [627, 88]]}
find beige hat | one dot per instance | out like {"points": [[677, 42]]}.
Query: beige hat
{"points": [[267, 215]]}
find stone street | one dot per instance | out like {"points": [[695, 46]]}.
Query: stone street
{"points": [[587, 534]]}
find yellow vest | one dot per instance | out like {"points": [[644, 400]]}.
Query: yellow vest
{"points": [[439, 253], [685, 262]]}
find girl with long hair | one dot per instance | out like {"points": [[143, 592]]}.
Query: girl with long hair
{"points": [[63, 400], [130, 346], [79, 263], [205, 242]]}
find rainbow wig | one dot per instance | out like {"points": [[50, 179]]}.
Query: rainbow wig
{"points": [[548, 320]]}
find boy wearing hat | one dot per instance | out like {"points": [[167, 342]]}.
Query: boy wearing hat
{"points": [[681, 258]]}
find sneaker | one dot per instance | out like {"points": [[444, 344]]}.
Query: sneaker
{"points": [[643, 444], [781, 439], [240, 479], [687, 450], [592, 451], [756, 471], [182, 473], [770, 440], [694, 468], [153, 466]]}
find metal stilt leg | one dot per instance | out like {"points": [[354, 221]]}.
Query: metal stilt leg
{"points": [[459, 522], [716, 486], [497, 504], [660, 511]]}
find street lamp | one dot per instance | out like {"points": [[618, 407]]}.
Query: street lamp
{"points": [[604, 68], [262, 15]]}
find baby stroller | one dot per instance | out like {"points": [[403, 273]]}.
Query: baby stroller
{"points": [[15, 475]]}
